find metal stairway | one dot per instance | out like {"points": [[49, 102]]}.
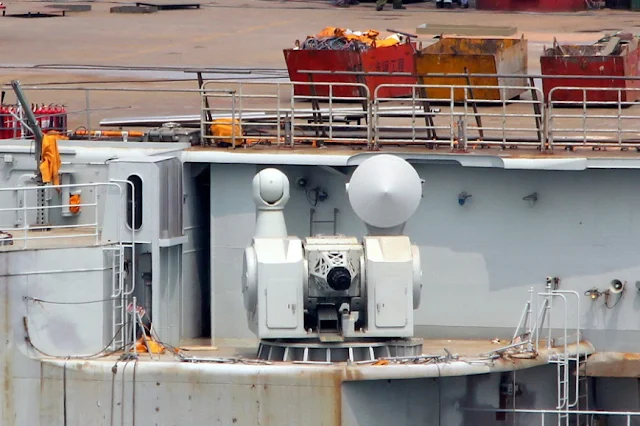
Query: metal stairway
{"points": [[583, 392], [571, 398], [563, 364], [571, 391], [118, 295]]}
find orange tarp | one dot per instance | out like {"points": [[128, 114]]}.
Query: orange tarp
{"points": [[50, 159], [368, 37]]}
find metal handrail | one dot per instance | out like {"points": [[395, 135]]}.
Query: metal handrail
{"points": [[288, 117], [465, 76], [133, 232], [587, 114], [627, 414], [469, 117], [88, 91], [25, 228], [292, 123]]}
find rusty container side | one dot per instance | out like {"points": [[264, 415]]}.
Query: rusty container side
{"points": [[532, 5], [582, 61], [632, 59], [323, 60], [398, 58], [478, 56], [513, 60]]}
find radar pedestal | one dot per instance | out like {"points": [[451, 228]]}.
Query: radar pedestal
{"points": [[336, 298]]}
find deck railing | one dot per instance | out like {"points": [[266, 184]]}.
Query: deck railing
{"points": [[27, 225], [461, 117], [550, 415], [284, 115], [594, 117]]}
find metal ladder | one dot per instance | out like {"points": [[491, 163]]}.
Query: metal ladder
{"points": [[563, 387], [568, 399], [313, 221], [118, 295], [583, 391]]}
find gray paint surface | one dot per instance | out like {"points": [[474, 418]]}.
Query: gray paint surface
{"points": [[479, 260]]}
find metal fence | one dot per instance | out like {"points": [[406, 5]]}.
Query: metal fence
{"points": [[459, 118], [284, 114], [86, 106], [455, 117], [27, 224], [548, 417], [594, 117]]}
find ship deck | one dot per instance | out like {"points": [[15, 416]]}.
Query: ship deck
{"points": [[466, 348], [450, 358], [610, 152], [54, 238]]}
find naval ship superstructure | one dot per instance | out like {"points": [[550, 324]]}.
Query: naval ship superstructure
{"points": [[284, 261]]}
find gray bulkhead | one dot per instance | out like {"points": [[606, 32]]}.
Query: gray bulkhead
{"points": [[479, 261]]}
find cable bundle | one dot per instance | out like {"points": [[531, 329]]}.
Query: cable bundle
{"points": [[333, 43]]}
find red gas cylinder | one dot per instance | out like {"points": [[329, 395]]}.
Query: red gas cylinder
{"points": [[37, 111], [51, 119], [10, 123], [45, 117], [3, 122], [56, 119], [63, 118]]}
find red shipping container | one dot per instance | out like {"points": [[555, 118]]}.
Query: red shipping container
{"points": [[532, 5], [584, 61], [398, 58]]}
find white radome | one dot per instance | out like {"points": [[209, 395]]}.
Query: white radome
{"points": [[385, 191]]}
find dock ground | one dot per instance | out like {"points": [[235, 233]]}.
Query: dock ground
{"points": [[249, 33], [224, 33]]}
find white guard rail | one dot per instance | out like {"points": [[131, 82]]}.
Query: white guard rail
{"points": [[27, 231], [285, 114], [461, 122], [594, 117], [546, 415], [84, 105]]}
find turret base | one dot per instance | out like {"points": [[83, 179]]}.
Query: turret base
{"points": [[316, 352]]}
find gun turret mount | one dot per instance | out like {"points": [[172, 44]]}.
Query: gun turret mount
{"points": [[336, 291]]}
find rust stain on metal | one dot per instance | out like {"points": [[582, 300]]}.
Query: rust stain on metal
{"points": [[337, 395], [613, 364], [352, 373], [454, 55]]}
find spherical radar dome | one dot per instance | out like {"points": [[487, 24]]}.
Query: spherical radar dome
{"points": [[385, 191], [271, 186]]}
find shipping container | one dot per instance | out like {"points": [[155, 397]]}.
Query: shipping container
{"points": [[457, 55], [607, 58], [532, 5], [398, 58]]}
